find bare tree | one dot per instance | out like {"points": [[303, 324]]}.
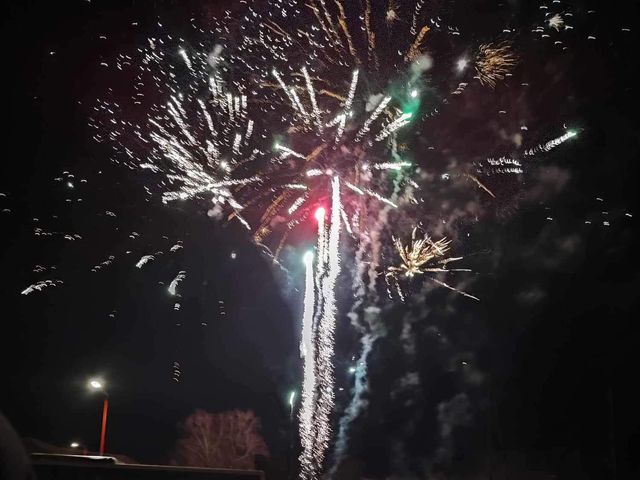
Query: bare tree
{"points": [[220, 440]]}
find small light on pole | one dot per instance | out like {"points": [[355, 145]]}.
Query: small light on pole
{"points": [[74, 444], [97, 385]]}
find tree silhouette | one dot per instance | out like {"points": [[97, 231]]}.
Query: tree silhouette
{"points": [[220, 440]]}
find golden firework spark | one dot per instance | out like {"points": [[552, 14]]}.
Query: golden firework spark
{"points": [[422, 256], [414, 50], [494, 61], [392, 13], [342, 21]]}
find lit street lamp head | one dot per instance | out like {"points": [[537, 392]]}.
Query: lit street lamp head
{"points": [[96, 384], [74, 445]]}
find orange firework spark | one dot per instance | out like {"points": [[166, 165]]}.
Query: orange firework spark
{"points": [[494, 62]]}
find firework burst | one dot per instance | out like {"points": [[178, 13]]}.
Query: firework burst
{"points": [[494, 62], [422, 256]]}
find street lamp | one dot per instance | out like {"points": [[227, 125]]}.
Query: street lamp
{"points": [[74, 444], [97, 385]]}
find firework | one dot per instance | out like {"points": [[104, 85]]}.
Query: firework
{"points": [[420, 257], [494, 62], [556, 21], [303, 108], [307, 351]]}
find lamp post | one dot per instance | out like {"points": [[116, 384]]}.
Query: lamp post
{"points": [[97, 385]]}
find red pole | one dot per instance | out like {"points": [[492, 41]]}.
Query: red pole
{"points": [[103, 431]]}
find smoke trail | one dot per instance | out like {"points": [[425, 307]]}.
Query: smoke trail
{"points": [[451, 414], [371, 329], [361, 386]]}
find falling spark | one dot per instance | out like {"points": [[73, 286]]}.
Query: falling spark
{"points": [[186, 58], [401, 121], [480, 184], [173, 286], [414, 19], [287, 151], [390, 165], [144, 260], [414, 50], [376, 113], [551, 144], [296, 204], [38, 286], [312, 96], [352, 91]]}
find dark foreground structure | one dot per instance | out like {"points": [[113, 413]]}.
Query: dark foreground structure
{"points": [[76, 467]]}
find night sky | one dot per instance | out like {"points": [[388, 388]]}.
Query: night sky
{"points": [[553, 337]]}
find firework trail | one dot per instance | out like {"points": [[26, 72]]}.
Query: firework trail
{"points": [[317, 346], [551, 144], [326, 329], [38, 286], [307, 351]]}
